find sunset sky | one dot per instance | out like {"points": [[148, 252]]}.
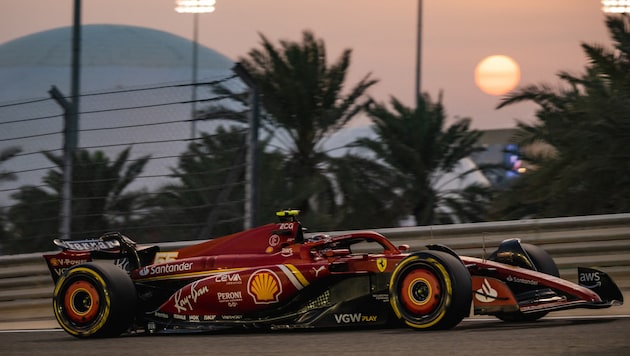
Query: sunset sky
{"points": [[543, 36]]}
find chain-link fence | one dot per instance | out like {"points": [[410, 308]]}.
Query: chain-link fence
{"points": [[142, 163]]}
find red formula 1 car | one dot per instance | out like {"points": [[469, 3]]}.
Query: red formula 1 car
{"points": [[275, 277]]}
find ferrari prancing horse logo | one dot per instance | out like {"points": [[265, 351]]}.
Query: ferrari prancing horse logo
{"points": [[381, 263]]}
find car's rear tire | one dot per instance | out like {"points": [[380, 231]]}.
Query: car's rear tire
{"points": [[94, 300], [544, 263], [431, 290]]}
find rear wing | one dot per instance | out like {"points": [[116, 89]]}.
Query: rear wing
{"points": [[87, 245], [112, 246]]}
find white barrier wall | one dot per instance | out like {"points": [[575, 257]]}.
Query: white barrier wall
{"points": [[601, 241]]}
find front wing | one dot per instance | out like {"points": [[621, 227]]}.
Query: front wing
{"points": [[498, 288]]}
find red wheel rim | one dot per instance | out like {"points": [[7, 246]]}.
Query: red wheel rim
{"points": [[420, 292], [81, 302]]}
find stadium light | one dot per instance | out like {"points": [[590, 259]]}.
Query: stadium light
{"points": [[616, 6], [194, 7]]}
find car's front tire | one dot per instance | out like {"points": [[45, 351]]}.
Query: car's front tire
{"points": [[543, 262], [94, 300], [431, 290]]}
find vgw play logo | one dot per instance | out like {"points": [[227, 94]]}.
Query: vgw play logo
{"points": [[354, 318]]}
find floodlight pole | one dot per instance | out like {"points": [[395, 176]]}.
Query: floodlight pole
{"points": [[71, 125], [193, 124], [251, 166], [418, 91]]}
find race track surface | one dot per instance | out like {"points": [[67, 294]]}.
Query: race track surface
{"points": [[565, 335]]}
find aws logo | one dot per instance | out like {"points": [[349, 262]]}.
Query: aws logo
{"points": [[264, 286], [590, 279]]}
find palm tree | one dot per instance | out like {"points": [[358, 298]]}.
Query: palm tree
{"points": [[99, 202], [585, 128], [368, 196], [418, 150], [304, 103], [207, 199], [5, 155]]}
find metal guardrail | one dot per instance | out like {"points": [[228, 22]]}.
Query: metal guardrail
{"points": [[603, 241]]}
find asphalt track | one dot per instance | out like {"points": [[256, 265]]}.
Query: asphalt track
{"points": [[565, 335]]}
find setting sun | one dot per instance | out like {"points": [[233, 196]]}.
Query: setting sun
{"points": [[497, 75]]}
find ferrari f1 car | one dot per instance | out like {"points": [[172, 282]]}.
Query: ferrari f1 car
{"points": [[276, 277]]}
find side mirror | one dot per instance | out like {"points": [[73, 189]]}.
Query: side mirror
{"points": [[403, 248]]}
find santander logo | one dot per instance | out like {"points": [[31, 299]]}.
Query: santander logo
{"points": [[486, 293]]}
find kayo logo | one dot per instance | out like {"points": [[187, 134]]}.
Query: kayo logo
{"points": [[486, 293]]}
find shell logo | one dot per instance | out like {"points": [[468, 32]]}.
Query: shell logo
{"points": [[264, 286]]}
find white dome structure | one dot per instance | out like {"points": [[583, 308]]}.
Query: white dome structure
{"points": [[113, 58]]}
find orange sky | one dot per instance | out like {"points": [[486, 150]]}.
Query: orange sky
{"points": [[543, 36]]}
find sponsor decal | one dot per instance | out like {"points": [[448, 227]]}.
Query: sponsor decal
{"points": [[192, 318], [90, 245], [318, 269], [161, 315], [486, 294], [286, 226], [122, 263], [384, 297], [66, 262], [286, 252], [381, 263], [144, 271], [274, 240], [355, 318], [185, 303], [228, 278], [165, 268], [231, 317], [232, 298], [161, 257], [62, 264], [264, 286], [590, 279], [521, 280]]}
